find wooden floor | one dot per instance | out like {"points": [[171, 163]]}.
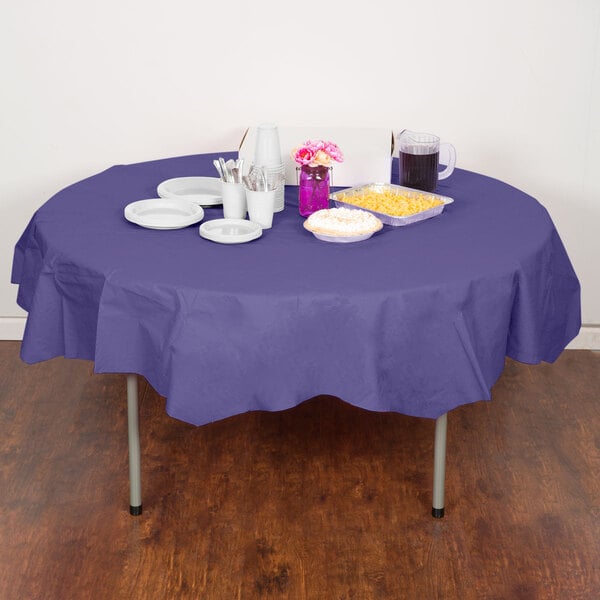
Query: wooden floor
{"points": [[324, 501]]}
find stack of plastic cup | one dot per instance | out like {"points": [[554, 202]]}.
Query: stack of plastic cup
{"points": [[267, 154]]}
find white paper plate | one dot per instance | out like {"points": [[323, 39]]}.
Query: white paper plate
{"points": [[205, 191], [230, 231], [342, 239], [163, 213]]}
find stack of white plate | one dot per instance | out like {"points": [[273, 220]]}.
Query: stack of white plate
{"points": [[230, 231], [163, 213], [204, 191]]}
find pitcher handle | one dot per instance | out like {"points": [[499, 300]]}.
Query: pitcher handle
{"points": [[451, 153]]}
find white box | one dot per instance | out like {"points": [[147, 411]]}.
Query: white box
{"points": [[367, 152]]}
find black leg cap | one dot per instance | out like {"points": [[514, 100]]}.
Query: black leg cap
{"points": [[137, 510], [438, 513]]}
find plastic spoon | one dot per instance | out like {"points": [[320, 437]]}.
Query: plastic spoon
{"points": [[218, 167], [226, 178], [263, 174]]}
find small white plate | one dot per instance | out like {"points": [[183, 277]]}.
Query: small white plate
{"points": [[163, 213], [205, 191], [230, 231], [342, 239]]}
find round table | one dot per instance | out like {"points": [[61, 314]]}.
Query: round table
{"points": [[416, 319]]}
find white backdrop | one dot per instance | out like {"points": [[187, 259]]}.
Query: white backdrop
{"points": [[515, 85]]}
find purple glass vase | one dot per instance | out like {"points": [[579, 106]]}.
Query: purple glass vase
{"points": [[313, 189]]}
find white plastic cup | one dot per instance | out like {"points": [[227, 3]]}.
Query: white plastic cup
{"points": [[275, 181], [260, 207], [267, 151], [234, 200]]}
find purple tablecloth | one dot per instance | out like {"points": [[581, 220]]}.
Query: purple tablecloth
{"points": [[416, 320]]}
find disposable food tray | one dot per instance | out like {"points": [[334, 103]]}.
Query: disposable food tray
{"points": [[387, 219]]}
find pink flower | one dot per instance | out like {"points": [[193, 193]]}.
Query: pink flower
{"points": [[321, 158], [317, 152], [303, 155], [333, 151]]}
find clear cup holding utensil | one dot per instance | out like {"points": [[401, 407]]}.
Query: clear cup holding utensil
{"points": [[419, 155], [234, 200], [260, 206]]}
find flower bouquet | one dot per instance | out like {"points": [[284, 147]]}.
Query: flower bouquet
{"points": [[314, 159]]}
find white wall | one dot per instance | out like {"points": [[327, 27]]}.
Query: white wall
{"points": [[515, 85]]}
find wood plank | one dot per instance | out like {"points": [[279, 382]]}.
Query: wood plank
{"points": [[323, 501]]}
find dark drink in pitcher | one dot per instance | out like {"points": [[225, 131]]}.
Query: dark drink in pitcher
{"points": [[419, 171]]}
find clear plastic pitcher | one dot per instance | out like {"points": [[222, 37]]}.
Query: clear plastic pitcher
{"points": [[419, 155]]}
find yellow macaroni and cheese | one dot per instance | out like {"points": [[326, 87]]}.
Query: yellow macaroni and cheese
{"points": [[397, 203]]}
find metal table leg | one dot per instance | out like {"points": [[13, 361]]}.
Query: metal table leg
{"points": [[135, 475], [439, 466], [133, 433]]}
